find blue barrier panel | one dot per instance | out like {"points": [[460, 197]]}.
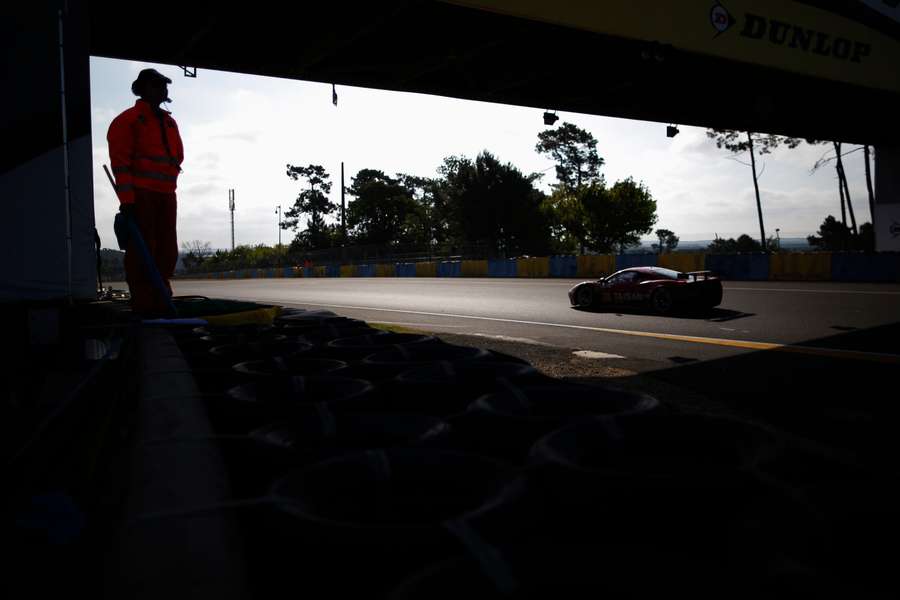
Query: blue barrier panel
{"points": [[877, 268], [739, 267], [627, 261], [449, 268], [406, 269], [563, 266], [333, 271], [502, 267], [365, 270], [289, 271]]}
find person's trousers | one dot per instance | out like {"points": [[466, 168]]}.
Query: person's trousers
{"points": [[155, 214]]}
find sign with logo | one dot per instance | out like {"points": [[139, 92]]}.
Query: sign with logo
{"points": [[791, 36], [887, 227]]}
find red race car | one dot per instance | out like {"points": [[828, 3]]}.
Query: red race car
{"points": [[662, 290]]}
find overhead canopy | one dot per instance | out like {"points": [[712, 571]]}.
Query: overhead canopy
{"points": [[766, 65]]}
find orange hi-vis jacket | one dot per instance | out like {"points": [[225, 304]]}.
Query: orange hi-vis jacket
{"points": [[145, 151]]}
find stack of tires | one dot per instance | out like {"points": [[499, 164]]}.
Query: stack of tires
{"points": [[385, 465]]}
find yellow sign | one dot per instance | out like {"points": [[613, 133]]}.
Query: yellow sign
{"points": [[784, 35]]}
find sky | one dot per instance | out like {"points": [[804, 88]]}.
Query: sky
{"points": [[240, 132]]}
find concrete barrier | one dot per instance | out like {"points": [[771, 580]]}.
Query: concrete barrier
{"points": [[426, 269], [875, 268], [627, 261], [563, 266], [684, 263], [538, 266], [474, 268], [502, 267], [739, 267], [800, 267]]}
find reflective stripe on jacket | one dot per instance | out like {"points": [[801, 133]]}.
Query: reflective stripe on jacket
{"points": [[145, 151]]}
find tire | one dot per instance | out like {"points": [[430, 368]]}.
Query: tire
{"points": [[585, 296], [662, 301]]}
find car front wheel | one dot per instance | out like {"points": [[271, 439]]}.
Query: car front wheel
{"points": [[585, 296]]}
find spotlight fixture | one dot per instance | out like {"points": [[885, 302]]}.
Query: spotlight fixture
{"points": [[550, 118], [671, 131]]}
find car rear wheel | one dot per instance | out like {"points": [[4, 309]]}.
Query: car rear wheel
{"points": [[662, 301], [585, 296]]}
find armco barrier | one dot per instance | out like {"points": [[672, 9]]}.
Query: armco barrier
{"points": [[800, 267], [333, 271], [347, 270], [875, 268], [474, 268], [426, 269], [533, 267], [406, 269], [385, 270], [595, 266], [685, 263], [627, 261], [448, 268], [563, 266], [739, 267], [365, 271], [502, 267]]}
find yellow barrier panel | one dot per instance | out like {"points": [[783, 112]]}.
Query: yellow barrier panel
{"points": [[474, 268], [319, 272], [347, 271], [683, 262], [596, 266], [800, 267], [388, 270], [426, 269], [533, 267]]}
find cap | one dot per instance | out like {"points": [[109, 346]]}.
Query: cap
{"points": [[145, 76]]}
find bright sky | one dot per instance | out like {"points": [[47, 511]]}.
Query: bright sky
{"points": [[240, 131]]}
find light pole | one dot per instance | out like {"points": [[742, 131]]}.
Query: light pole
{"points": [[278, 211], [778, 237]]}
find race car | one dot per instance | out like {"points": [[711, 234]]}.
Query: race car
{"points": [[662, 290]]}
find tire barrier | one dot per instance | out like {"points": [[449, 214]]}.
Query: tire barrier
{"points": [[408, 467]]}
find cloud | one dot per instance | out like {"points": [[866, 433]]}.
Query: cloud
{"points": [[244, 136]]}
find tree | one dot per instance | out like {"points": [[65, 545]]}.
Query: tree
{"points": [[384, 211], [843, 187], [492, 203], [616, 217], [836, 236], [668, 241], [312, 201], [734, 142], [194, 253], [743, 244], [575, 152]]}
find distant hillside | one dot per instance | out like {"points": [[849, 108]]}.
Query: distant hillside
{"points": [[797, 244]]}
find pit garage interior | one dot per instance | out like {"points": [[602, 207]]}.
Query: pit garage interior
{"points": [[816, 70]]}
